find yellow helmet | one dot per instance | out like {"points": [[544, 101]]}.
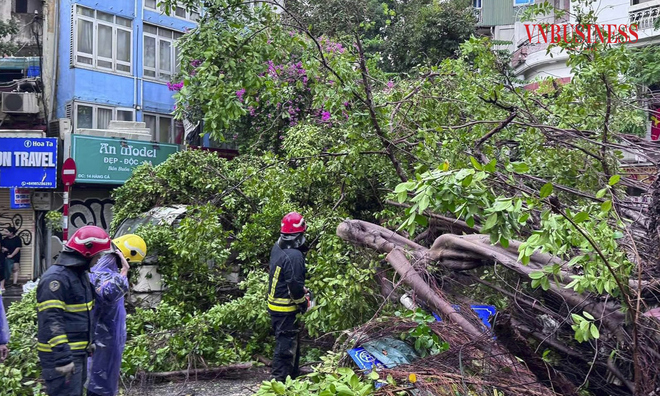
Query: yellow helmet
{"points": [[132, 247]]}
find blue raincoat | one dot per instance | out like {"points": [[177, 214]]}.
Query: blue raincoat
{"points": [[109, 318], [4, 326]]}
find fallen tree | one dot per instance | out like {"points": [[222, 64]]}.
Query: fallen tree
{"points": [[469, 252]]}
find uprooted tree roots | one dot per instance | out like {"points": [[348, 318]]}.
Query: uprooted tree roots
{"points": [[535, 328]]}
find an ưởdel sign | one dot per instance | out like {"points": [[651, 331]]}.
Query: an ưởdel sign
{"points": [[102, 160], [28, 162]]}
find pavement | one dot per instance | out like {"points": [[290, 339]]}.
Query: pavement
{"points": [[12, 294], [245, 385]]}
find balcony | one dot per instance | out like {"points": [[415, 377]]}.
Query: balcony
{"points": [[644, 15]]}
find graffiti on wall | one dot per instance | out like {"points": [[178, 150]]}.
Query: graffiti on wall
{"points": [[16, 220], [90, 211]]}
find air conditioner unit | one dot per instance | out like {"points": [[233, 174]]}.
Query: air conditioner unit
{"points": [[20, 103], [58, 128]]}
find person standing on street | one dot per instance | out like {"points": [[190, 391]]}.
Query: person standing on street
{"points": [[4, 333], [109, 315], [65, 300], [286, 295], [11, 246]]}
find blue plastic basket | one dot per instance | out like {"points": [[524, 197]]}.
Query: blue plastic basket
{"points": [[33, 71]]}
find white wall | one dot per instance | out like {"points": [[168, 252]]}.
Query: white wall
{"points": [[539, 65]]}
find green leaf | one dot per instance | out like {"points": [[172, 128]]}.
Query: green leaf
{"points": [[546, 190], [606, 206], [421, 220], [614, 180], [536, 275], [587, 315], [491, 166], [343, 390], [523, 219], [424, 203], [601, 193], [279, 388], [520, 167], [502, 205], [470, 221], [373, 375], [345, 371], [617, 235], [476, 164], [594, 331], [580, 217], [490, 222]]}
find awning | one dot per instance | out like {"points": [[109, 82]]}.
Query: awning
{"points": [[18, 62]]}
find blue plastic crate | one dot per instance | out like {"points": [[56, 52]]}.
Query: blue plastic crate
{"points": [[33, 71]]}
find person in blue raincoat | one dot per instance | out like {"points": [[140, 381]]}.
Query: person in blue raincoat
{"points": [[4, 333], [109, 278]]}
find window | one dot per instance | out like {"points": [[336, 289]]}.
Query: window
{"points": [[160, 54], [102, 41], [178, 11], [90, 116], [522, 2], [21, 6], [476, 3], [161, 126]]}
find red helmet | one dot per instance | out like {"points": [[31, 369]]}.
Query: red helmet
{"points": [[293, 223], [90, 241]]}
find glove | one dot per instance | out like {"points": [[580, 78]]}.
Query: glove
{"points": [[67, 370], [4, 352], [91, 349]]}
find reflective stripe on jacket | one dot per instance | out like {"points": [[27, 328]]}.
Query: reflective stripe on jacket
{"points": [[64, 303], [286, 281]]}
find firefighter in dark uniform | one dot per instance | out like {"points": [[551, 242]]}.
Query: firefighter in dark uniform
{"points": [[64, 304], [286, 295]]}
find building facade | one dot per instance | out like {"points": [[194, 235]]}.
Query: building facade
{"points": [[23, 125], [94, 79]]}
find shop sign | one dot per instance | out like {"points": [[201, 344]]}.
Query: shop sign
{"points": [[20, 198], [28, 162], [111, 161]]}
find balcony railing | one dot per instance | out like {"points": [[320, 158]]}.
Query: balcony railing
{"points": [[645, 18]]}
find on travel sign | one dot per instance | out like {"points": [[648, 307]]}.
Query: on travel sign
{"points": [[28, 162], [111, 161]]}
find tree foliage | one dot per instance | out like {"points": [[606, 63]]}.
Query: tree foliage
{"points": [[8, 29]]}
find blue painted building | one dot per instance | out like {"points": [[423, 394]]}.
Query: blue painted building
{"points": [[115, 59]]}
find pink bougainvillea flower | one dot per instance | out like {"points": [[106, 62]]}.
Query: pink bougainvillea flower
{"points": [[240, 93]]}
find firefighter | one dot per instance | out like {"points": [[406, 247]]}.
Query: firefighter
{"points": [[64, 303], [110, 281], [286, 295]]}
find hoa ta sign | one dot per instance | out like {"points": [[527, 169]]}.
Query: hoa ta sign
{"points": [[111, 161], [28, 162], [581, 34]]}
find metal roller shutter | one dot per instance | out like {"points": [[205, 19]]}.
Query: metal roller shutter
{"points": [[23, 220]]}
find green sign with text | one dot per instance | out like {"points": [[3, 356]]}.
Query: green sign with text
{"points": [[111, 161]]}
